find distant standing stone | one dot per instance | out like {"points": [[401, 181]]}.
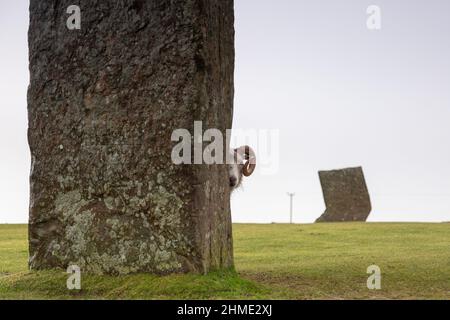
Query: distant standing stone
{"points": [[346, 195]]}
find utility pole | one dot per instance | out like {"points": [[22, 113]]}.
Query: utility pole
{"points": [[291, 196]]}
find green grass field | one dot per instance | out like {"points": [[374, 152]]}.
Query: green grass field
{"points": [[323, 261]]}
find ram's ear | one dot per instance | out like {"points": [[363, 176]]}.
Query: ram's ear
{"points": [[249, 155]]}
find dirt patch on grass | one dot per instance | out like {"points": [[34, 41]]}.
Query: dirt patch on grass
{"points": [[284, 286]]}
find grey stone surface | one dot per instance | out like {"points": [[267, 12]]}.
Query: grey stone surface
{"points": [[102, 104], [346, 195]]}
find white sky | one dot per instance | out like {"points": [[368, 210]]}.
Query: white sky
{"points": [[339, 94]]}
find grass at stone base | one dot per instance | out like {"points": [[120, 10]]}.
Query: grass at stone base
{"points": [[276, 261], [16, 282], [52, 285]]}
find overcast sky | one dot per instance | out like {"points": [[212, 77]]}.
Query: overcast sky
{"points": [[339, 94]]}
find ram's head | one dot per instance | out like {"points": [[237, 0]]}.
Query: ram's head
{"points": [[243, 165]]}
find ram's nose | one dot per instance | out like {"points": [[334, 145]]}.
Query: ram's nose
{"points": [[233, 181]]}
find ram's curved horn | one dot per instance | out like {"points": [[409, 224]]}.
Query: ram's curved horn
{"points": [[249, 155]]}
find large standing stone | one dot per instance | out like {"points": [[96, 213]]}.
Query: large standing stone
{"points": [[346, 195], [103, 103]]}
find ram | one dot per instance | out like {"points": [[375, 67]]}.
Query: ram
{"points": [[243, 164]]}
